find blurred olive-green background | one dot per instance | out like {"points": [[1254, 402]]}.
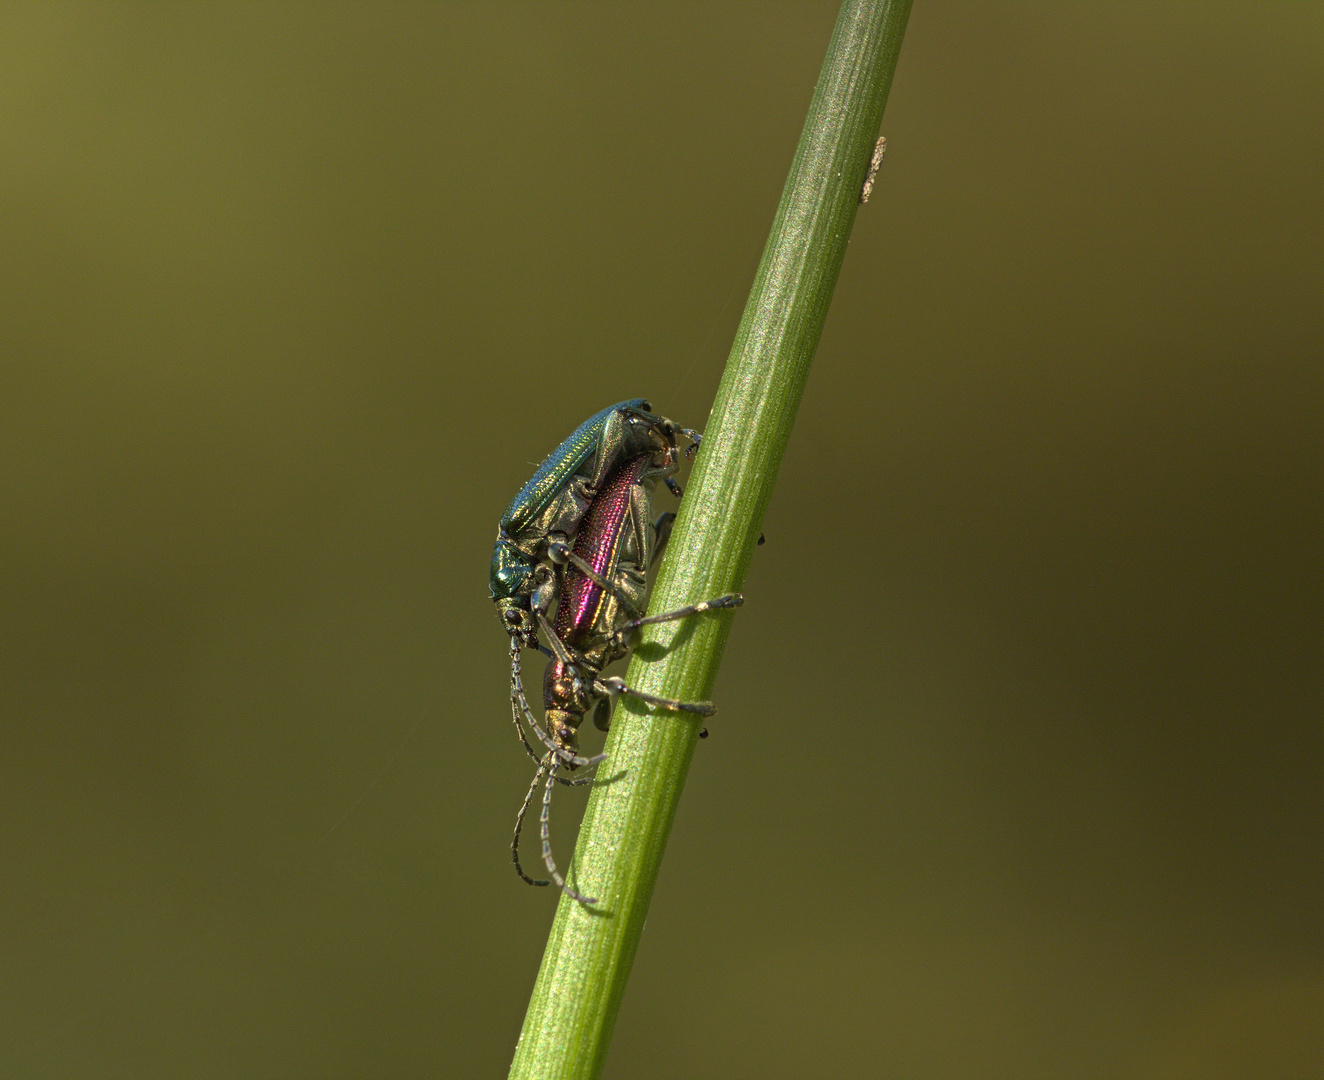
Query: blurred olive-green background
{"points": [[1018, 767]]}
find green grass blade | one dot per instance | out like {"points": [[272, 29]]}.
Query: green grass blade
{"points": [[589, 953]]}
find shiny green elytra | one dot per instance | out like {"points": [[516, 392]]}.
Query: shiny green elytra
{"points": [[540, 522]]}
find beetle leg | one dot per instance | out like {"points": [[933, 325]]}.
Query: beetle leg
{"points": [[562, 553], [661, 534], [730, 600], [602, 713], [559, 649], [613, 685], [540, 602]]}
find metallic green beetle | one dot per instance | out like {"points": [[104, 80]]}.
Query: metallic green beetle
{"points": [[536, 530]]}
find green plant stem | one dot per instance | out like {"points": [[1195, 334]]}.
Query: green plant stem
{"points": [[590, 950]]}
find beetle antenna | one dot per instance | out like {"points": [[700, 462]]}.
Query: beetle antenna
{"points": [[519, 728], [519, 825], [547, 859], [520, 702]]}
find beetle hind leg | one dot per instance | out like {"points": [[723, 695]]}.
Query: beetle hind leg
{"points": [[613, 685], [718, 603]]}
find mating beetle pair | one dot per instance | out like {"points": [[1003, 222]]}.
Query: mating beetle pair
{"points": [[536, 529], [599, 583]]}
